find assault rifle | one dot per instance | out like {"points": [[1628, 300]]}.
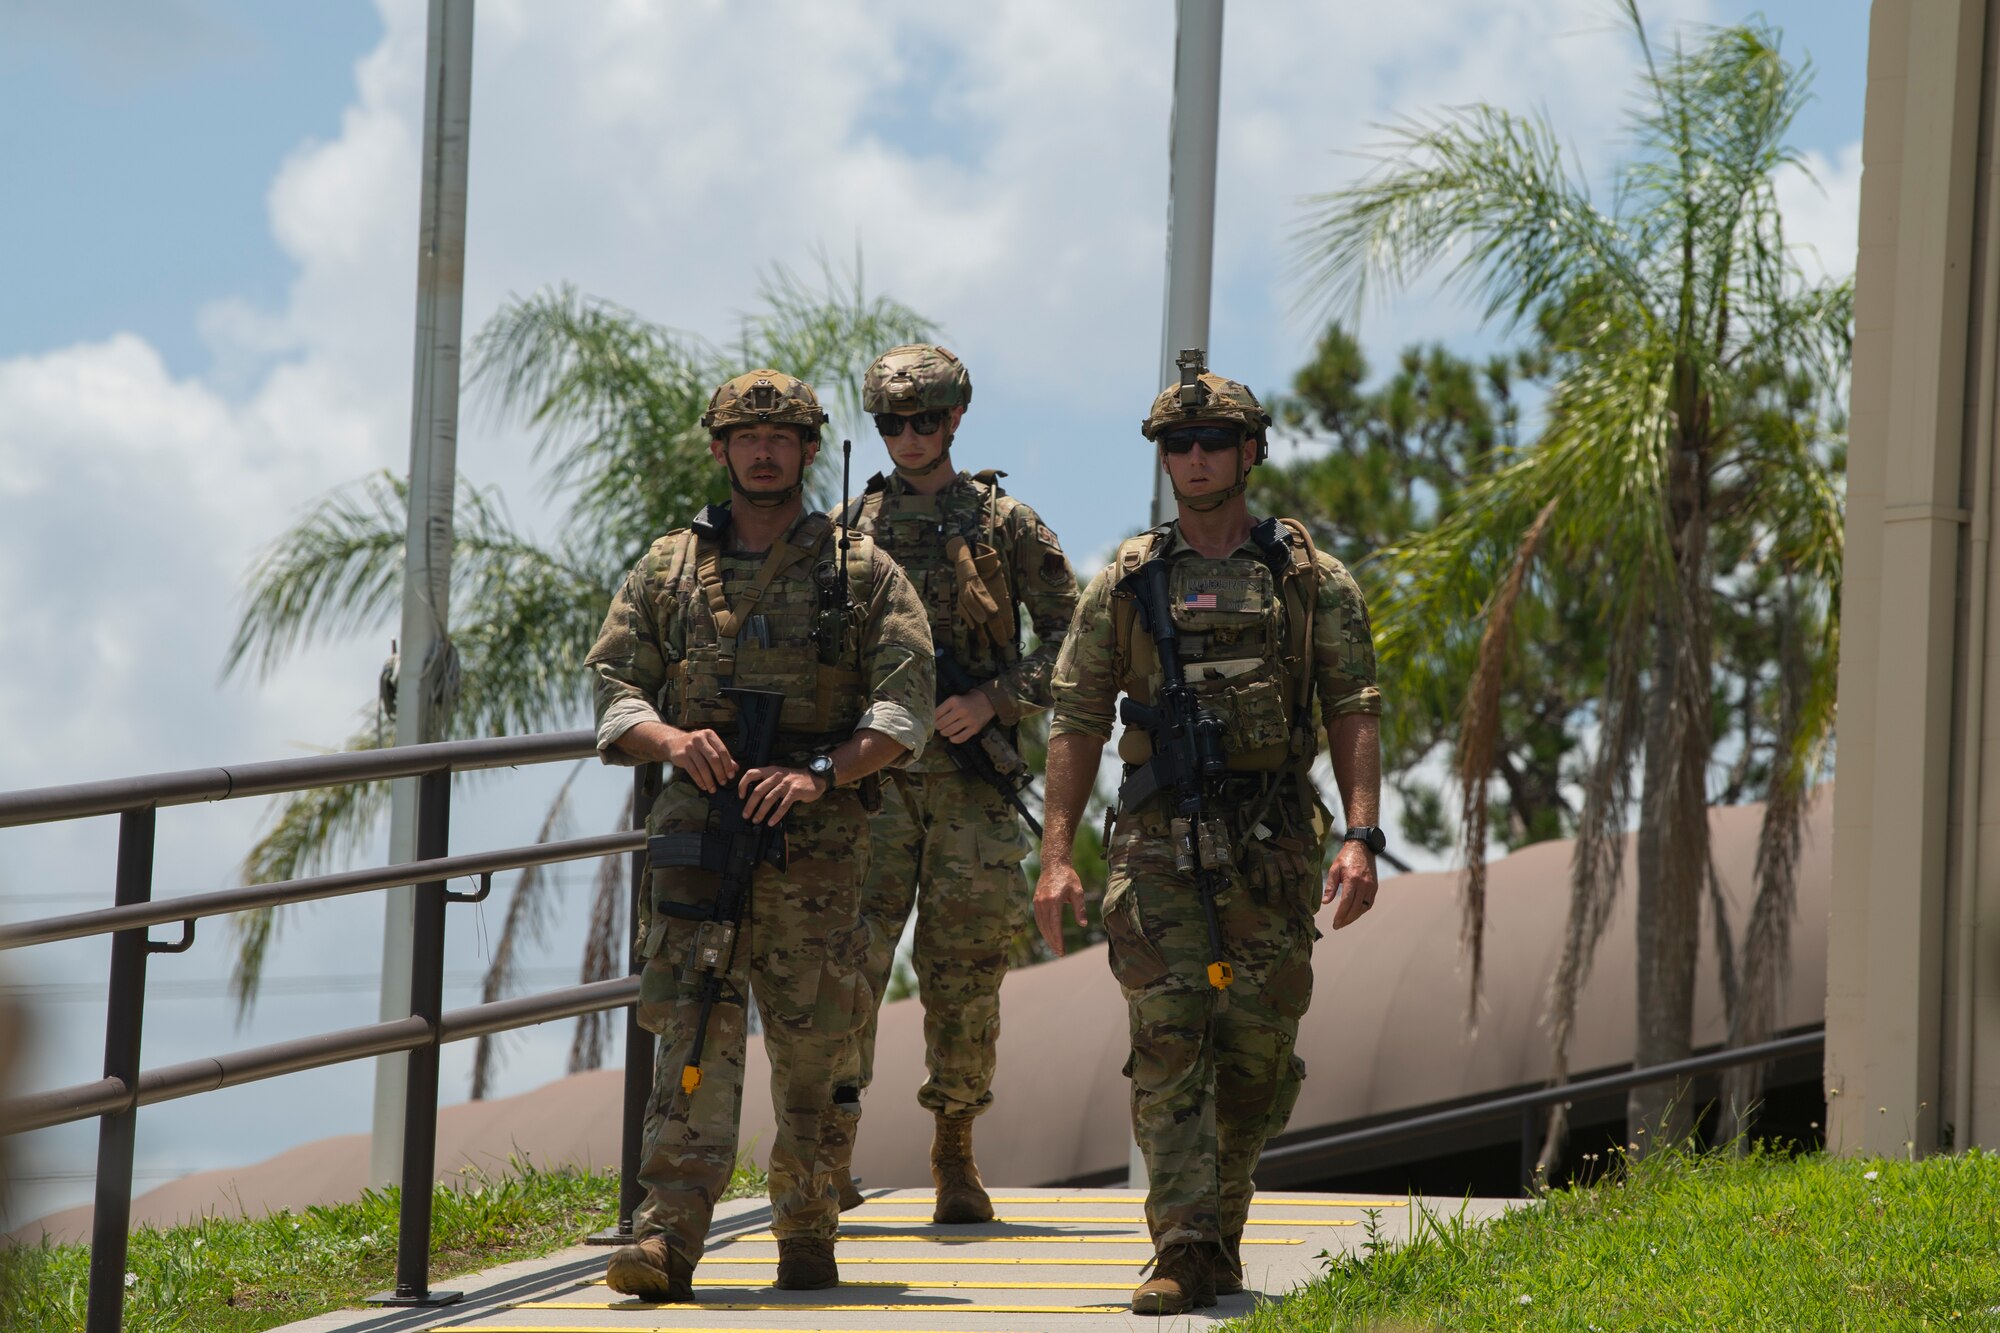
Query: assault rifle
{"points": [[1187, 759], [987, 756], [731, 846]]}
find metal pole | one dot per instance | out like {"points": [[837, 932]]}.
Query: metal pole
{"points": [[427, 684], [1190, 196], [1191, 138], [112, 1216], [413, 1231], [639, 1043]]}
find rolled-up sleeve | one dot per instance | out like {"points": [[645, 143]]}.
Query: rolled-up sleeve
{"points": [[628, 663], [1084, 684], [902, 667], [1343, 647]]}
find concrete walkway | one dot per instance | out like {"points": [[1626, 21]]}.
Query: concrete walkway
{"points": [[1057, 1260]]}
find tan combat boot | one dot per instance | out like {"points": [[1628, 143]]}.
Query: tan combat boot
{"points": [[961, 1197], [805, 1263], [1183, 1279], [1229, 1266], [652, 1271]]}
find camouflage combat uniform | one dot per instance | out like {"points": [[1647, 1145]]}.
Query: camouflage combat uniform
{"points": [[664, 652], [1213, 1071], [945, 841]]}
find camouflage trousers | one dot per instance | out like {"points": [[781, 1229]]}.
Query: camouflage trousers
{"points": [[950, 846], [1213, 1071], [799, 952]]}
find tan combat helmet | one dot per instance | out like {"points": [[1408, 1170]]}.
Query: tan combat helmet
{"points": [[764, 397], [913, 378], [1203, 396]]}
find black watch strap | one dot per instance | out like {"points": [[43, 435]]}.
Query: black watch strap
{"points": [[1368, 835]]}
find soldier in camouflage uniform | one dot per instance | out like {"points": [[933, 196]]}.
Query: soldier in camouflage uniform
{"points": [[751, 594], [947, 841], [1267, 627]]}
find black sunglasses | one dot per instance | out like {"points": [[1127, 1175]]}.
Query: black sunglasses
{"points": [[1210, 439], [923, 423]]}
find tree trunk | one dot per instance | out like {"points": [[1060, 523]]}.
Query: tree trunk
{"points": [[1673, 824]]}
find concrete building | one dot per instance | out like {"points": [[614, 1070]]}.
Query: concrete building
{"points": [[1913, 1000]]}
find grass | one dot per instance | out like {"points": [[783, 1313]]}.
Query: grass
{"points": [[1683, 1241], [243, 1274]]}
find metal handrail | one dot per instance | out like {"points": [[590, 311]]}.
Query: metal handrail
{"points": [[271, 777], [285, 892], [114, 1099]]}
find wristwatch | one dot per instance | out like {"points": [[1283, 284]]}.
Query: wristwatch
{"points": [[1368, 836], [821, 767]]}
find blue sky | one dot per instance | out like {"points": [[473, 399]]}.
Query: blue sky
{"points": [[209, 237]]}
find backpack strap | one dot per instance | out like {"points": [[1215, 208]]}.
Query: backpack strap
{"points": [[1300, 589]]}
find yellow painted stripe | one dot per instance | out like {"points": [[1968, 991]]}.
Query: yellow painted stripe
{"points": [[1025, 1219], [937, 1283], [899, 1197], [959, 1237], [934, 1308], [665, 1328], [921, 1261]]}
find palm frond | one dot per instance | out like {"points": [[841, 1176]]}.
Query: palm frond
{"points": [[310, 830], [526, 922]]}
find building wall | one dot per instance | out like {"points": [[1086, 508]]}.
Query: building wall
{"points": [[1917, 577]]}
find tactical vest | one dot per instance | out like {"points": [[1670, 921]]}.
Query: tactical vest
{"points": [[1246, 647], [963, 580], [771, 623]]}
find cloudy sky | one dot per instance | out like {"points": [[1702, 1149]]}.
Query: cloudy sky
{"points": [[205, 323]]}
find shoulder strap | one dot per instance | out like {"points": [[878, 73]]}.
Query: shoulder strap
{"points": [[1300, 589], [1133, 657], [729, 617]]}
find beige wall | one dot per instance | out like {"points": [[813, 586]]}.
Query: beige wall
{"points": [[1910, 691]]}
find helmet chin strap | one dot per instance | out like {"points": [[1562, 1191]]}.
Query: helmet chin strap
{"points": [[943, 457], [1202, 504]]}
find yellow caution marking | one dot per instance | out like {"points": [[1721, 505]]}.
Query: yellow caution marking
{"points": [[966, 1237], [924, 1261], [655, 1327], [931, 1284], [1026, 1219], [1107, 1197], [934, 1307]]}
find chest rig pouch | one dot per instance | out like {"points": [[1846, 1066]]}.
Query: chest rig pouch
{"points": [[772, 623], [960, 574], [1232, 628]]}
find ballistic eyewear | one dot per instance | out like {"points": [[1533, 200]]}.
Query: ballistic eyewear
{"points": [[923, 423], [1210, 439]]}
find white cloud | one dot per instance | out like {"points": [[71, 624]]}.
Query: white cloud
{"points": [[1820, 201]]}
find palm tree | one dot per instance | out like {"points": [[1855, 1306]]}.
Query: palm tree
{"points": [[1690, 453], [615, 401]]}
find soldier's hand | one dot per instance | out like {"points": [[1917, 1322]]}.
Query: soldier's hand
{"points": [[962, 716], [770, 793], [1058, 884], [1350, 884], [702, 756]]}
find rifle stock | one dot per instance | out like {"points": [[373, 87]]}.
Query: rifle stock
{"points": [[732, 848]]}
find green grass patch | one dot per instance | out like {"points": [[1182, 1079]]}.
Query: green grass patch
{"points": [[240, 1275], [1683, 1241]]}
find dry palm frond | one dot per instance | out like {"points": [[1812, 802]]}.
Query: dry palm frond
{"points": [[527, 919], [1597, 865], [1478, 746], [601, 954]]}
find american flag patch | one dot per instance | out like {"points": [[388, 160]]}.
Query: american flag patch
{"points": [[1199, 601]]}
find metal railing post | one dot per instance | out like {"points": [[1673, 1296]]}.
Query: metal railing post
{"points": [[638, 1042], [420, 1104], [112, 1217], [1531, 1148]]}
